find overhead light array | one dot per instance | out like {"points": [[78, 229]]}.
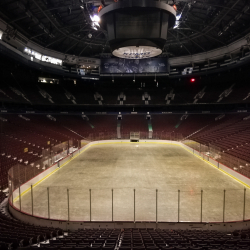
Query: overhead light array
{"points": [[177, 23], [95, 21], [93, 14]]}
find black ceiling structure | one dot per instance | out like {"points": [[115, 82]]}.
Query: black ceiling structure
{"points": [[65, 25]]}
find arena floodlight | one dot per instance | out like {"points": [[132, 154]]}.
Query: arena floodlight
{"points": [[95, 18], [177, 23], [95, 21]]}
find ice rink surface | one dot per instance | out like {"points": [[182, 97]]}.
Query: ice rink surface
{"points": [[135, 171]]}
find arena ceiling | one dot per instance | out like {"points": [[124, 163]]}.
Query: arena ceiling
{"points": [[65, 25]]}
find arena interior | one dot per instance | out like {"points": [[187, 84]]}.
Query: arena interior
{"points": [[125, 124]]}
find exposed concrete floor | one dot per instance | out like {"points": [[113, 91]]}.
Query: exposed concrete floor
{"points": [[145, 168]]}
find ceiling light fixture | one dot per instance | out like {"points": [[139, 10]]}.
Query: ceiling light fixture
{"points": [[177, 23], [95, 21]]}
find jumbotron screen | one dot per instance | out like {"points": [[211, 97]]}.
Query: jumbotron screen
{"points": [[134, 66]]}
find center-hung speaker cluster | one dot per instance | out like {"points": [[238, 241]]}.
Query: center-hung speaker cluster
{"points": [[137, 29]]}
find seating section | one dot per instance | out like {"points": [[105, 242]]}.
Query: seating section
{"points": [[154, 239], [2, 196], [62, 94], [75, 123], [90, 126], [165, 126], [191, 123], [165, 123], [133, 123], [16, 234], [103, 123], [184, 125], [88, 239], [32, 135], [19, 84], [231, 134], [178, 239]]}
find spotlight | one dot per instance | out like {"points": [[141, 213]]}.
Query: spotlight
{"points": [[192, 80], [90, 35], [95, 18], [95, 21]]}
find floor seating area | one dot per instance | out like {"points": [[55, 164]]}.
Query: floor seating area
{"points": [[146, 238]]}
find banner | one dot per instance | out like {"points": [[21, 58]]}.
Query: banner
{"points": [[134, 66]]}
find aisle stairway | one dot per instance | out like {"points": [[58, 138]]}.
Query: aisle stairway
{"points": [[118, 129], [150, 130]]}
